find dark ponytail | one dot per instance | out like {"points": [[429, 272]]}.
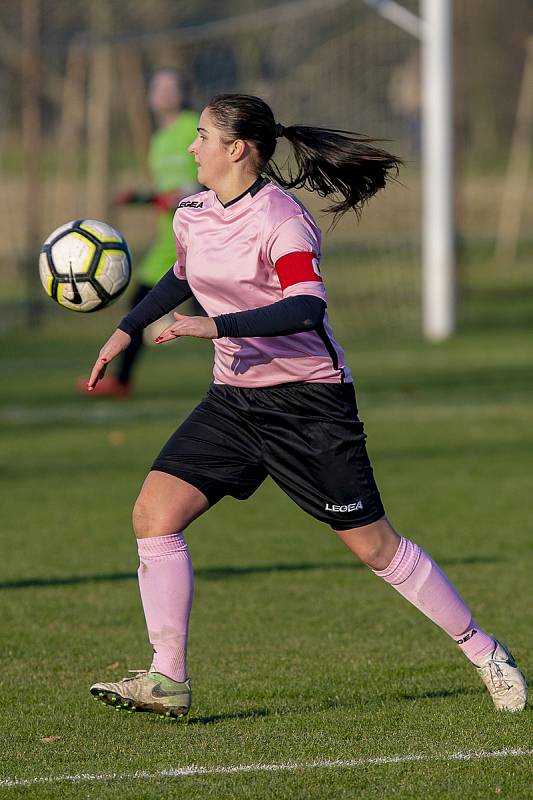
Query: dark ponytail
{"points": [[328, 162]]}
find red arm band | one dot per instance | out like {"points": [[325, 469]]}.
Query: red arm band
{"points": [[296, 268]]}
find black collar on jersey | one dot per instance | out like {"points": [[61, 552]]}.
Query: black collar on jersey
{"points": [[256, 186]]}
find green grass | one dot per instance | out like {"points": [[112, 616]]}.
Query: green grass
{"points": [[297, 652]]}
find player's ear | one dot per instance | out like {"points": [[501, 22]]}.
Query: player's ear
{"points": [[238, 149]]}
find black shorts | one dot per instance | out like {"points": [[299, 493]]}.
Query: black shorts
{"points": [[306, 436]]}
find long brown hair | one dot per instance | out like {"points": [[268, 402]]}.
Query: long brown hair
{"points": [[328, 161]]}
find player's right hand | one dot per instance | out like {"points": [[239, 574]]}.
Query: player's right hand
{"points": [[124, 197], [135, 197], [114, 346]]}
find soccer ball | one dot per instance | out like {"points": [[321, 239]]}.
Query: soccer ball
{"points": [[85, 265]]}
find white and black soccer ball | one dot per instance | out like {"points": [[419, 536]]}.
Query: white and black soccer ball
{"points": [[85, 265]]}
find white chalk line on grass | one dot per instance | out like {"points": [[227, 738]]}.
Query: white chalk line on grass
{"points": [[108, 411], [288, 766]]}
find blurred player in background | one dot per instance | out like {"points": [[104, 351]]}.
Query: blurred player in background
{"points": [[282, 402], [173, 174]]}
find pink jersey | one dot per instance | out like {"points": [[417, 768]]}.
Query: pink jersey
{"points": [[236, 258]]}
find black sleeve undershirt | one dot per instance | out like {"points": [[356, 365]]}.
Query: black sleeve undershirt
{"points": [[287, 316], [290, 315], [166, 295]]}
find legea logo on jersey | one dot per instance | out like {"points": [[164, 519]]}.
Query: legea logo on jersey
{"points": [[357, 506], [191, 204]]}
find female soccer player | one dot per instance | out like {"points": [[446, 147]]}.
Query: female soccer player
{"points": [[282, 402]]}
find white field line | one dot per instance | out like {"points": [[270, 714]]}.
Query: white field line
{"points": [[110, 411], [101, 412], [288, 766]]}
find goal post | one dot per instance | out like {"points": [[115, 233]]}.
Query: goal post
{"points": [[438, 240], [434, 29]]}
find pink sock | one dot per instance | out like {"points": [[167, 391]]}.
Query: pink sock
{"points": [[417, 578], [166, 583]]}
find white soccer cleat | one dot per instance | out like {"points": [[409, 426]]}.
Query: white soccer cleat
{"points": [[506, 684]]}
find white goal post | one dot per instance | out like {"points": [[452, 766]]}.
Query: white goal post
{"points": [[434, 29]]}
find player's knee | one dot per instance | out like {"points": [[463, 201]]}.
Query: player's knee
{"points": [[369, 551], [144, 519], [151, 519], [373, 544], [379, 551]]}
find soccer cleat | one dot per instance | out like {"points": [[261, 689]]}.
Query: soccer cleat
{"points": [[146, 691], [109, 386], [506, 684]]}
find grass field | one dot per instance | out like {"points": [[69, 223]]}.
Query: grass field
{"points": [[312, 678]]}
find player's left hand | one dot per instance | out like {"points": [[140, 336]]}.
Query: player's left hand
{"points": [[201, 327]]}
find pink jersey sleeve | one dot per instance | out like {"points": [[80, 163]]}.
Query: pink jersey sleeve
{"points": [[181, 252], [293, 249]]}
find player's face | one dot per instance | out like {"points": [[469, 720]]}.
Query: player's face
{"points": [[210, 152], [164, 93]]}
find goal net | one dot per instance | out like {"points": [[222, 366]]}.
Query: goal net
{"points": [[334, 63]]}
